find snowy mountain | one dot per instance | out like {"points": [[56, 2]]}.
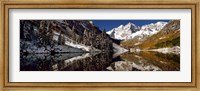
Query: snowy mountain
{"points": [[161, 37], [130, 30], [123, 31]]}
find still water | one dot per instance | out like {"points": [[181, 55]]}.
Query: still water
{"points": [[141, 61]]}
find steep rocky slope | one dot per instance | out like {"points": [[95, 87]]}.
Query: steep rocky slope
{"points": [[47, 36]]}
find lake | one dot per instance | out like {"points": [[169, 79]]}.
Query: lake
{"points": [[129, 61]]}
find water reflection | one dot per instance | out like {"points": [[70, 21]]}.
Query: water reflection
{"points": [[66, 62], [147, 61], [43, 62], [142, 61]]}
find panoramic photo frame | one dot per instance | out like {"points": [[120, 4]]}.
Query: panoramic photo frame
{"points": [[82, 45], [67, 45]]}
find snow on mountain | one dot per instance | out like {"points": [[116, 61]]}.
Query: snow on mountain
{"points": [[123, 31], [150, 29], [77, 35], [130, 30]]}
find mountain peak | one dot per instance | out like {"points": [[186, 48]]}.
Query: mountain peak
{"points": [[121, 26], [130, 24], [123, 31]]}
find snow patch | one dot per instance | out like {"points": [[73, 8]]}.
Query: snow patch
{"points": [[175, 50], [74, 44]]}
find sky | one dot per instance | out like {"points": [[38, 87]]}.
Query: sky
{"points": [[110, 24]]}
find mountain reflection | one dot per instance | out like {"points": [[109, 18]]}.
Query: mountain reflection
{"points": [[66, 62], [146, 61], [142, 61]]}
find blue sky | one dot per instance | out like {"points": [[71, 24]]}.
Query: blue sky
{"points": [[110, 24]]}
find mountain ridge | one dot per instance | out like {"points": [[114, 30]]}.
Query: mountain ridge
{"points": [[130, 30], [168, 36]]}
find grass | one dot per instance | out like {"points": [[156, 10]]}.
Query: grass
{"points": [[169, 43], [158, 40], [168, 40]]}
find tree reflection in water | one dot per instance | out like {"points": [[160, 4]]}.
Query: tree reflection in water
{"points": [[142, 61], [66, 62]]}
